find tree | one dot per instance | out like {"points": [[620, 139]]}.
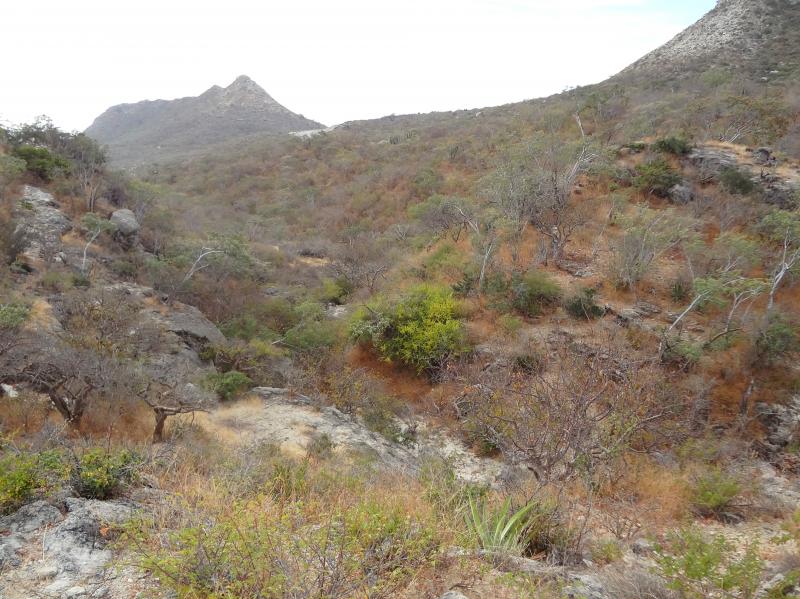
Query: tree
{"points": [[88, 164], [574, 419], [555, 167], [168, 399], [454, 216], [95, 227], [361, 261], [10, 169], [648, 235], [782, 227], [761, 119]]}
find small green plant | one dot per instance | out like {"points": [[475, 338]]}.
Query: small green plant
{"points": [[698, 567], [13, 316], [503, 530], [606, 551], [100, 473], [679, 290], [714, 492], [677, 146], [509, 324], [583, 306], [229, 384], [736, 182], [534, 292], [656, 177], [682, 353]]}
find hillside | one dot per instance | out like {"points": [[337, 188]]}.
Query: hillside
{"points": [[155, 130], [548, 349], [759, 38]]}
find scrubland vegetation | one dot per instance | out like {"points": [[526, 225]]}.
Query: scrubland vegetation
{"points": [[525, 278]]}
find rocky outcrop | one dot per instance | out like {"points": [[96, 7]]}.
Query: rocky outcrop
{"points": [[295, 422], [781, 423], [682, 193], [39, 227], [44, 553]]}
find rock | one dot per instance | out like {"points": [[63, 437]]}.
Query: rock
{"points": [[585, 586], [710, 162], [293, 422], [681, 194], [76, 591], [781, 422], [126, 222], [127, 233], [453, 595], [40, 225], [764, 157], [642, 547]]}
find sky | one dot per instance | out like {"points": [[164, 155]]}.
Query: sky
{"points": [[330, 60]]}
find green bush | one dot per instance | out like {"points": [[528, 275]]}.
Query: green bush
{"points": [[656, 177], [714, 492], [13, 316], [421, 330], [534, 292], [509, 324], [698, 567], [677, 146], [736, 182], [777, 340], [41, 162], [24, 476], [583, 306], [682, 353], [300, 549], [606, 551], [100, 473], [19, 479], [229, 384]]}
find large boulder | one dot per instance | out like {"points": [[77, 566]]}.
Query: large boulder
{"points": [[127, 232], [682, 193], [39, 227]]}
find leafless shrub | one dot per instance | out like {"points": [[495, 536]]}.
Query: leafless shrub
{"points": [[635, 583]]}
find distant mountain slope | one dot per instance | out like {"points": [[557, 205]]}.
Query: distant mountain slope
{"points": [[758, 36], [161, 129]]}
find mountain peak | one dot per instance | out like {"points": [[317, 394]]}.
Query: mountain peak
{"points": [[135, 132], [741, 34]]}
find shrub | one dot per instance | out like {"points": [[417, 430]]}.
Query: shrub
{"points": [[682, 353], [583, 305], [41, 162], [13, 316], [673, 145], [736, 182], [656, 177], [714, 492], [535, 291], [18, 481], [502, 530], [421, 330], [100, 473], [265, 548], [606, 551], [777, 340], [23, 476], [697, 567], [509, 324], [229, 384]]}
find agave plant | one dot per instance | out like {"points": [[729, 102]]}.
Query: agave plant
{"points": [[502, 529]]}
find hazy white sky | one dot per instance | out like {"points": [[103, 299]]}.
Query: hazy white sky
{"points": [[331, 60]]}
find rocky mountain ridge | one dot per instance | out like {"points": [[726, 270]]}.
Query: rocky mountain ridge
{"points": [[148, 130], [750, 33]]}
